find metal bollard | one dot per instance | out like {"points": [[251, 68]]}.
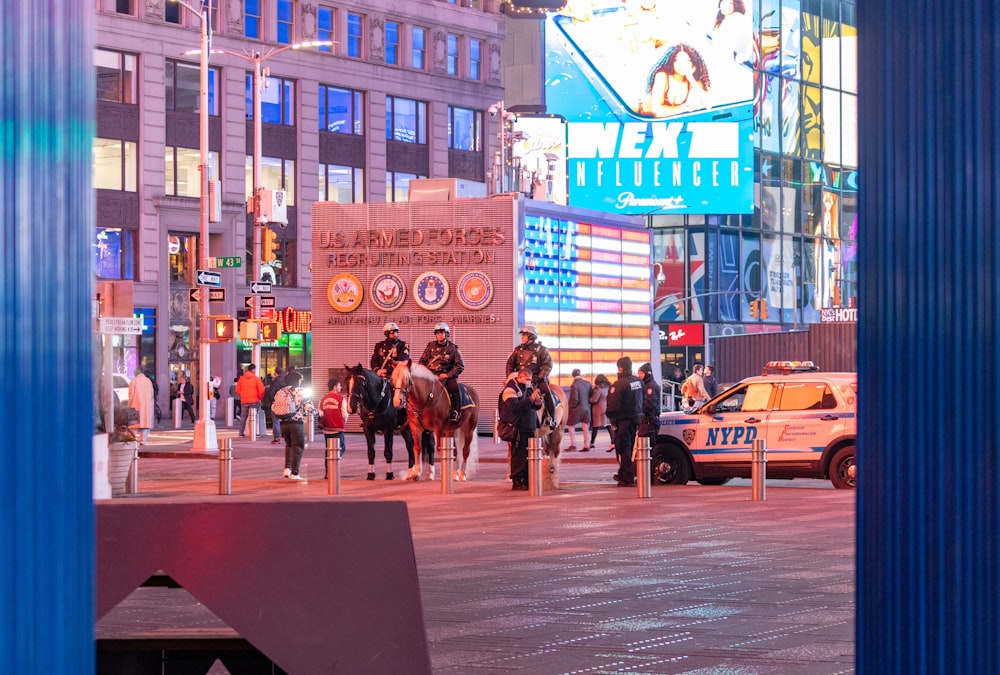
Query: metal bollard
{"points": [[253, 423], [132, 480], [333, 466], [643, 470], [177, 413], [230, 411], [758, 468], [446, 457], [226, 467], [534, 466], [310, 427]]}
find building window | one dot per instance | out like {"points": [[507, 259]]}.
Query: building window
{"points": [[123, 6], [418, 51], [343, 184], [183, 179], [276, 102], [452, 54], [183, 87], [275, 174], [114, 253], [405, 120], [114, 165], [285, 21], [325, 26], [355, 44], [172, 13], [465, 129], [115, 76], [252, 19], [340, 110], [398, 184], [475, 59], [392, 43]]}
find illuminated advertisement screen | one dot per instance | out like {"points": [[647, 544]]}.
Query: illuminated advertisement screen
{"points": [[659, 102], [587, 291]]}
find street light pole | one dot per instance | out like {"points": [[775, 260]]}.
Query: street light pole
{"points": [[204, 428], [258, 83]]}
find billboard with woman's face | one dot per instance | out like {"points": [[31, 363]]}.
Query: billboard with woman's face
{"points": [[659, 99]]}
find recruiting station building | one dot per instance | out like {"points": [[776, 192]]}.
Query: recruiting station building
{"points": [[484, 266]]}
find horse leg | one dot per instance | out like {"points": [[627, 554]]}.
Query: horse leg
{"points": [[407, 435], [388, 433], [415, 433], [370, 439]]}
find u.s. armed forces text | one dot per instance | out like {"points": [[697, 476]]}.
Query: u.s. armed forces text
{"points": [[404, 246]]}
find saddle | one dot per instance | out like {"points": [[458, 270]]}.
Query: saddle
{"points": [[465, 401]]}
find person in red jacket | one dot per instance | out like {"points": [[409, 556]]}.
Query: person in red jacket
{"points": [[250, 390], [333, 413]]}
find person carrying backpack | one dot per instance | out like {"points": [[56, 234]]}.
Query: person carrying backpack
{"points": [[290, 406]]}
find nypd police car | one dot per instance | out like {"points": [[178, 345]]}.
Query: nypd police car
{"points": [[807, 419]]}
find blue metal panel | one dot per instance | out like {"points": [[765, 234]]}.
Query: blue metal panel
{"points": [[46, 130], [929, 86]]}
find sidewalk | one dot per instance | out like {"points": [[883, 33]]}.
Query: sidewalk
{"points": [[589, 579]]}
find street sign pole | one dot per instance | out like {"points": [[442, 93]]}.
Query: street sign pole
{"points": [[204, 428], [258, 238]]}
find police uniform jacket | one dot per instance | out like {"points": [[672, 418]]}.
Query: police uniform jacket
{"points": [[625, 399], [651, 402], [389, 352], [533, 356], [443, 358]]}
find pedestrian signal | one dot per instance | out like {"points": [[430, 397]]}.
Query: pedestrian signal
{"points": [[270, 331], [221, 328], [250, 330], [753, 308]]}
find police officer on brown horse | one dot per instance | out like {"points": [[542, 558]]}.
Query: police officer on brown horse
{"points": [[389, 351], [533, 355], [443, 358]]}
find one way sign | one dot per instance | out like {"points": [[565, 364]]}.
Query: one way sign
{"points": [[209, 278], [260, 287]]}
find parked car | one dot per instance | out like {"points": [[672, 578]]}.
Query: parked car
{"points": [[120, 383], [807, 418]]}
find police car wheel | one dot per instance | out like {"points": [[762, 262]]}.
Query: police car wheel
{"points": [[670, 466], [843, 469]]}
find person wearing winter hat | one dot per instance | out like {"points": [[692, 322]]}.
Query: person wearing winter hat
{"points": [[625, 411], [651, 403]]}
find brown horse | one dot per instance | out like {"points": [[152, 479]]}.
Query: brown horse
{"points": [[427, 407]]}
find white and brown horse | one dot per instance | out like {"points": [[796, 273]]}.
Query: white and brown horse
{"points": [[428, 405]]}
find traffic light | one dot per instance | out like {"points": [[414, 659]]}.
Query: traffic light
{"points": [[762, 308], [270, 331], [269, 247], [753, 308], [221, 328]]}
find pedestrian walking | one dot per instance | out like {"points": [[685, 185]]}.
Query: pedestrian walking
{"points": [[599, 409], [140, 397], [579, 410], [250, 389]]}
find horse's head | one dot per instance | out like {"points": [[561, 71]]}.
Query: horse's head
{"points": [[402, 382], [355, 387]]}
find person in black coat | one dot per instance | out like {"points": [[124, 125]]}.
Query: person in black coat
{"points": [[625, 411], [650, 424], [518, 403]]}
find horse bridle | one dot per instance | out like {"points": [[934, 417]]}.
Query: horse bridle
{"points": [[405, 391], [357, 396]]}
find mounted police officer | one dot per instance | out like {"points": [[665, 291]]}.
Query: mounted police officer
{"points": [[443, 358], [389, 351], [533, 355], [625, 411]]}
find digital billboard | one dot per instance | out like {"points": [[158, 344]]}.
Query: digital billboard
{"points": [[659, 100], [587, 290]]}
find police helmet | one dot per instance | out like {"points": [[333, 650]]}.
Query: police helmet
{"points": [[390, 326], [531, 331], [442, 326]]}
